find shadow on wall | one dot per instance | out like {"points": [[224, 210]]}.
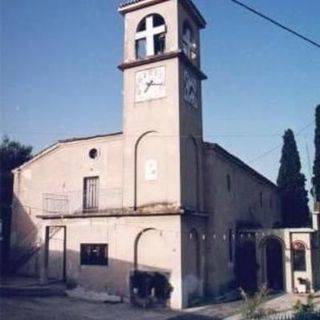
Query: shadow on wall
{"points": [[27, 258], [113, 278], [25, 241], [143, 287]]}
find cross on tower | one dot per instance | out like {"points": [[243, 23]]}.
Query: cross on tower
{"points": [[149, 33]]}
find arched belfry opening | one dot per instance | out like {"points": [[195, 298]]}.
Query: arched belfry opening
{"points": [[150, 37], [189, 46]]}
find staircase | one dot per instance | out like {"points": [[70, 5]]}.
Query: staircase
{"points": [[27, 250], [26, 287]]}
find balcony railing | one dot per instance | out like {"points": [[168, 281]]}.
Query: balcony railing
{"points": [[55, 203], [108, 200]]}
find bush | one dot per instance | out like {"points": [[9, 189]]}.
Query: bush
{"points": [[252, 304]]}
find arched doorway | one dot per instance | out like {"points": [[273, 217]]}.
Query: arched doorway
{"points": [[274, 264], [246, 266], [149, 281]]}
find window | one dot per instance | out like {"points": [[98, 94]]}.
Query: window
{"points": [[94, 254], [231, 245], [229, 182], [261, 199], [188, 43], [159, 44], [271, 202], [93, 153], [141, 48], [150, 37], [299, 257], [90, 193]]}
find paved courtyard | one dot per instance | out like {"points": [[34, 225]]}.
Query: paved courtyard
{"points": [[57, 308]]}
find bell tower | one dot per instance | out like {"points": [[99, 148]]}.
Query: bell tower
{"points": [[162, 104]]}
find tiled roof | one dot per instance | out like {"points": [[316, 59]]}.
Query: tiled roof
{"points": [[90, 137], [188, 4], [60, 142], [129, 2]]}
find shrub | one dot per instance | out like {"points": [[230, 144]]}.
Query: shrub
{"points": [[252, 304]]}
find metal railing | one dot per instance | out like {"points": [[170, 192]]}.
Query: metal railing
{"points": [[69, 203]]}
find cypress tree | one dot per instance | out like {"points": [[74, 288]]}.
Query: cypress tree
{"points": [[316, 166], [291, 182]]}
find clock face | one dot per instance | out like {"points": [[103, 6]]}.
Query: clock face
{"points": [[150, 84], [191, 89]]}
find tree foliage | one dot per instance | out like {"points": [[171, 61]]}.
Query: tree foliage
{"points": [[291, 182], [12, 155], [316, 166]]}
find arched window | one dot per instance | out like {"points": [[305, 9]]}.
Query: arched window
{"points": [[299, 256], [229, 182], [188, 43], [271, 202], [150, 36]]}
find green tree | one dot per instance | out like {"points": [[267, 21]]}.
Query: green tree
{"points": [[291, 182], [316, 166], [12, 155]]}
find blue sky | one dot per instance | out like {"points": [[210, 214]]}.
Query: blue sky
{"points": [[59, 77]]}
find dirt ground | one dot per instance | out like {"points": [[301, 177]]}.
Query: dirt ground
{"points": [[63, 308]]}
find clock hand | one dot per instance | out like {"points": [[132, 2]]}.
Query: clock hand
{"points": [[156, 84], [149, 84]]}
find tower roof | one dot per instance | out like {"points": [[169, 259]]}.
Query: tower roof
{"points": [[129, 2], [131, 5]]}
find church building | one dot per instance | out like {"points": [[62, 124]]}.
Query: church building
{"points": [[156, 199]]}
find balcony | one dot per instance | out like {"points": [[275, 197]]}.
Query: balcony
{"points": [[73, 203]]}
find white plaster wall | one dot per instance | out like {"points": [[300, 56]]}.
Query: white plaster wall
{"points": [[120, 235], [61, 172], [161, 116]]}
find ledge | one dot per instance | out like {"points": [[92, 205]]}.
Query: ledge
{"points": [[169, 55], [132, 5], [122, 214]]}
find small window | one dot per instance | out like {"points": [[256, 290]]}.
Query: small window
{"points": [[158, 21], [299, 257], [91, 194], [93, 153], [261, 199], [94, 254], [231, 240], [229, 182], [159, 44], [141, 48], [271, 202], [142, 26]]}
